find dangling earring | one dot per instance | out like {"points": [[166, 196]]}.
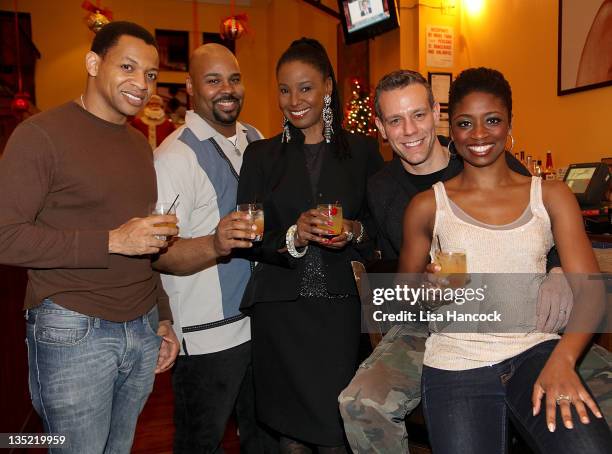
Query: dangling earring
{"points": [[328, 117], [511, 142], [286, 137], [451, 147]]}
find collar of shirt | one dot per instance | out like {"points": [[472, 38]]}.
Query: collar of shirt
{"points": [[204, 131]]}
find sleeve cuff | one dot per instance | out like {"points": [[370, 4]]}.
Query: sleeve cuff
{"points": [[163, 308]]}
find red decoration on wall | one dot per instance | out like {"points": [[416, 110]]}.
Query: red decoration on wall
{"points": [[20, 102]]}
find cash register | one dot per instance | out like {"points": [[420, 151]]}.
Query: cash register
{"points": [[589, 182]]}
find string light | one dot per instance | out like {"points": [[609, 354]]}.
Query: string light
{"points": [[359, 111]]}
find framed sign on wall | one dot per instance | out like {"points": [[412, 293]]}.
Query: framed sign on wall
{"points": [[440, 86]]}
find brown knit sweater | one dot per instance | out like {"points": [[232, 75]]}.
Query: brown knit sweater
{"points": [[67, 177]]}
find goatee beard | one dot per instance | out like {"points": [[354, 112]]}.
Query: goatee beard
{"points": [[226, 119]]}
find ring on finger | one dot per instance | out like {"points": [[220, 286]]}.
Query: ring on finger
{"points": [[561, 397]]}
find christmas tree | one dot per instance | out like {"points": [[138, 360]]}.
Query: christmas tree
{"points": [[359, 116]]}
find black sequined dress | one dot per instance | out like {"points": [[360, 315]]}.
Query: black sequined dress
{"points": [[305, 351]]}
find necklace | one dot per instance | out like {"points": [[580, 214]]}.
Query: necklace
{"points": [[83, 103], [234, 144]]}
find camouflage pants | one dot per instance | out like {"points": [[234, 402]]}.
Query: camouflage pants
{"points": [[596, 370], [387, 387]]}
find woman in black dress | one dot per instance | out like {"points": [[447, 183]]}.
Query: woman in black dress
{"points": [[302, 297]]}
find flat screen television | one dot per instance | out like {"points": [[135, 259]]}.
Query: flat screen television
{"points": [[588, 181], [364, 19]]}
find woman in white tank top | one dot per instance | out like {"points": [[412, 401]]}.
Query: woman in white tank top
{"points": [[473, 382]]}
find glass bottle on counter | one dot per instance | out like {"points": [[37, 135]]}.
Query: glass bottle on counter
{"points": [[529, 164], [537, 170], [549, 169], [522, 157]]}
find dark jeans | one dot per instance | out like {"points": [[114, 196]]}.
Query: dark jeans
{"points": [[207, 388], [467, 411]]}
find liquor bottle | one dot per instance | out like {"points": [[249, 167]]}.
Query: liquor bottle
{"points": [[529, 164], [537, 171], [549, 169], [522, 159]]}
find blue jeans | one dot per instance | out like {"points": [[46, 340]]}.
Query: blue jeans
{"points": [[467, 411], [90, 378]]}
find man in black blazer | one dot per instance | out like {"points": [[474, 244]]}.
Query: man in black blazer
{"points": [[387, 385]]}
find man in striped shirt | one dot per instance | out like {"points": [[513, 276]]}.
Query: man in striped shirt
{"points": [[200, 162]]}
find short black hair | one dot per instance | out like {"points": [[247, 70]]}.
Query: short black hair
{"points": [[312, 52], [400, 79], [485, 80], [109, 35]]}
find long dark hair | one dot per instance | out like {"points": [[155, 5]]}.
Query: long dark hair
{"points": [[310, 51]]}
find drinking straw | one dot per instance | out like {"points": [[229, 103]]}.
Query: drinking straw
{"points": [[172, 206], [437, 239]]}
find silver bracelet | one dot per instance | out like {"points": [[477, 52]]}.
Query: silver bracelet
{"points": [[359, 238], [290, 242]]}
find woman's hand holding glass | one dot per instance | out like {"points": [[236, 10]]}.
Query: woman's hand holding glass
{"points": [[347, 235], [315, 226]]}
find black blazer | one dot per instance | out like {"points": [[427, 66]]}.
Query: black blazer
{"points": [[275, 174]]}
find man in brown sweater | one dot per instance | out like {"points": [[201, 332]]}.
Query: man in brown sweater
{"points": [[76, 184]]}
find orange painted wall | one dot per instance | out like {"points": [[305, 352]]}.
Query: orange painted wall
{"points": [[60, 34], [519, 38], [289, 20]]}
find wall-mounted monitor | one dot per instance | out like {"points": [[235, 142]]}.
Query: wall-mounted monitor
{"points": [[588, 182], [364, 19]]}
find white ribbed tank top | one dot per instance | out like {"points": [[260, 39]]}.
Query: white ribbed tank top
{"points": [[520, 249]]}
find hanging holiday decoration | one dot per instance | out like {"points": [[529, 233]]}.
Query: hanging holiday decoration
{"points": [[98, 17], [21, 100], [235, 25], [359, 110]]}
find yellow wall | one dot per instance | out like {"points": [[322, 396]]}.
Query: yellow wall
{"points": [[519, 38], [289, 20], [63, 39]]}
